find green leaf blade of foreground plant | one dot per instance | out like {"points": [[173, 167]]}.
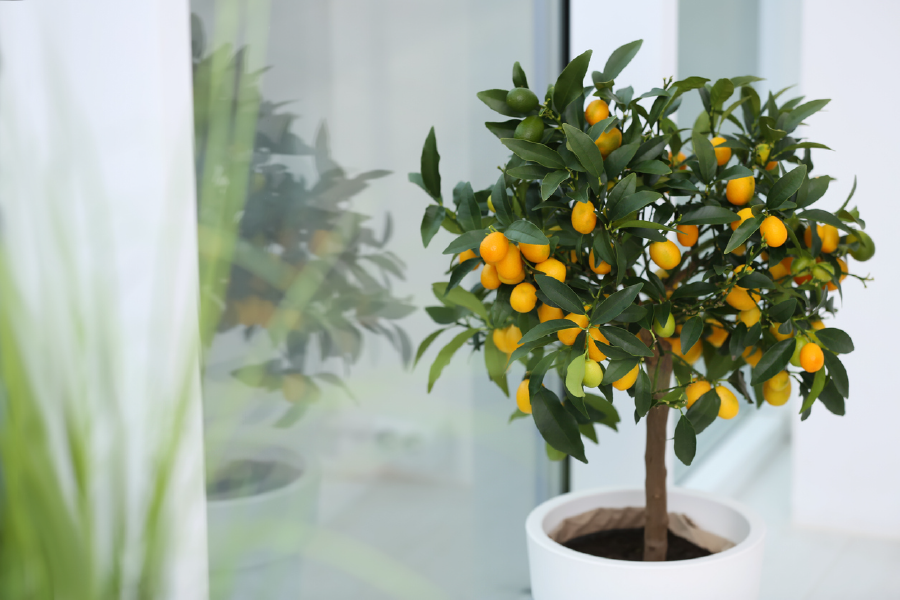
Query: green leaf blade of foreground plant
{"points": [[496, 101], [560, 294], [500, 199], [743, 233], [706, 156], [575, 376], [704, 411], [535, 152], [613, 306], [495, 363], [814, 391], [459, 272], [633, 203], [446, 354], [468, 212], [431, 176], [796, 116], [690, 333], [620, 58], [546, 328], [426, 343], [461, 297], [685, 441], [709, 215], [786, 187], [773, 361], [585, 150], [518, 76], [525, 232], [551, 181], [835, 340], [467, 241], [431, 222], [569, 84], [557, 425], [643, 394], [626, 341]]}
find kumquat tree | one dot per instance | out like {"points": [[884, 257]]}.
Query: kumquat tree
{"points": [[579, 274]]}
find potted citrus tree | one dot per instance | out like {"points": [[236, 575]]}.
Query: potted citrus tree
{"points": [[618, 250]]}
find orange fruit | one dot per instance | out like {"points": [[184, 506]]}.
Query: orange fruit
{"points": [[743, 215], [782, 269], [690, 235], [752, 356], [740, 299], [584, 219], [718, 335], [777, 397], [628, 379], [489, 278], [523, 298], [773, 329], [666, 254], [738, 191], [500, 340], [817, 325], [535, 252], [771, 165], [549, 313], [773, 231], [523, 397], [594, 352], [749, 317], [740, 250], [468, 255], [811, 357], [723, 155], [728, 405], [513, 335], [517, 279], [510, 266], [609, 141], [828, 234], [695, 390], [843, 276], [552, 268], [692, 355], [678, 162], [568, 336], [494, 247], [573, 257], [602, 269], [596, 111]]}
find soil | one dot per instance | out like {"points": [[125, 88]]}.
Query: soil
{"points": [[241, 478], [628, 544]]}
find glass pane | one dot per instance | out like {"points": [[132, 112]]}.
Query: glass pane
{"points": [[332, 472]]}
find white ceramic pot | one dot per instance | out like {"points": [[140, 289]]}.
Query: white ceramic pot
{"points": [[255, 542], [558, 573]]}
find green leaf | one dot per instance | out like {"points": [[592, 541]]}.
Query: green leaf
{"points": [[570, 83], [721, 91], [525, 232], [468, 212], [706, 156], [557, 426], [575, 376], [835, 340], [551, 182], [694, 289], [505, 129], [495, 363], [587, 152], [431, 176], [709, 215], [832, 399], [735, 172], [816, 189], [425, 343], [459, 272], [704, 411], [756, 281], [446, 354], [773, 361], [786, 187], [796, 116], [643, 395], [783, 311], [823, 216], [534, 152], [651, 149], [619, 158], [792, 147], [624, 188], [633, 203], [814, 391], [743, 232], [546, 328], [618, 368], [652, 167], [626, 341], [518, 76], [620, 58], [744, 80], [646, 225], [467, 241], [838, 373], [460, 297], [685, 440], [502, 206], [613, 306], [560, 294], [608, 416], [431, 222], [496, 100], [528, 172], [690, 333]]}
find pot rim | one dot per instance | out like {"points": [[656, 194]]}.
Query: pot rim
{"points": [[534, 527], [306, 476]]}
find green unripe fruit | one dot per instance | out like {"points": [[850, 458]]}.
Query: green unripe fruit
{"points": [[823, 272], [795, 357], [801, 265], [490, 205], [593, 373], [762, 153], [522, 100], [530, 129], [866, 247], [666, 331]]}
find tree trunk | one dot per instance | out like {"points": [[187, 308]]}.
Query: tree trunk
{"points": [[656, 525]]}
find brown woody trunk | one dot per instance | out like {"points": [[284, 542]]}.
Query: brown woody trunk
{"points": [[657, 517]]}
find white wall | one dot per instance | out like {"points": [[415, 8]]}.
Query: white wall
{"points": [[603, 27], [845, 469]]}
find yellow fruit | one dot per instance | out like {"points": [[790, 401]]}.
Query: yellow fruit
{"points": [[773, 231], [501, 341], [692, 356], [817, 325], [584, 218], [628, 380], [779, 380], [779, 336], [549, 313], [489, 278], [695, 390], [468, 255], [828, 234], [535, 252], [740, 250], [513, 335], [811, 358], [728, 403], [494, 247], [523, 398], [723, 155], [666, 254], [777, 397], [740, 299], [602, 269], [596, 111], [782, 269], [743, 215], [752, 356], [594, 352], [609, 141], [739, 191], [517, 279], [678, 162], [749, 317], [844, 272], [593, 373], [510, 266], [718, 335], [523, 298], [567, 336], [552, 268], [293, 387], [690, 235]]}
